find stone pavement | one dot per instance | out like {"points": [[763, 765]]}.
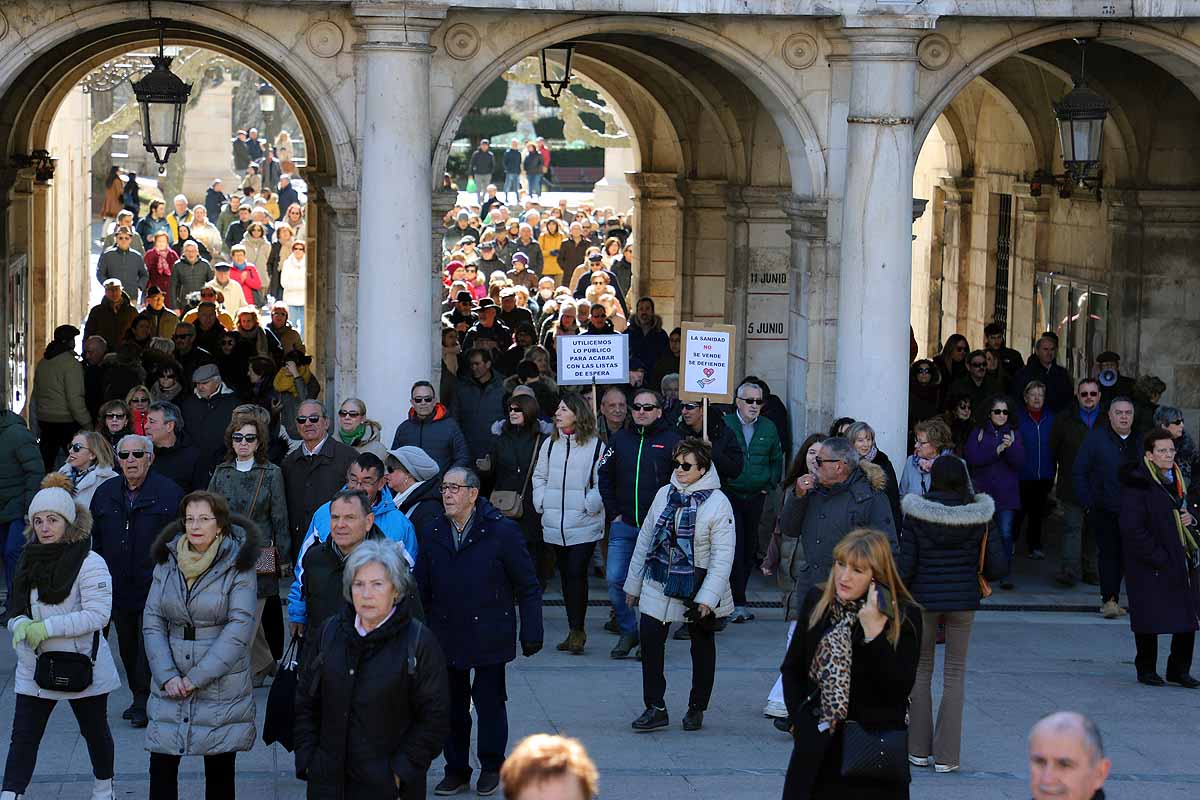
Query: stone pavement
{"points": [[1022, 665]]}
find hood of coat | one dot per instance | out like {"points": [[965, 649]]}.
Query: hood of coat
{"points": [[544, 428], [710, 480], [243, 531], [10, 420], [439, 413], [77, 531], [977, 512], [873, 473]]}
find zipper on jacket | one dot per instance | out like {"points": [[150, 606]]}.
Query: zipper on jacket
{"points": [[562, 510], [637, 481]]}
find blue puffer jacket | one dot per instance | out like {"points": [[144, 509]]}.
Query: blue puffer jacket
{"points": [[1098, 466], [468, 592], [636, 464], [123, 534], [1039, 462]]}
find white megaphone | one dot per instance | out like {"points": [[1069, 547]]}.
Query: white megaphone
{"points": [[1107, 378]]}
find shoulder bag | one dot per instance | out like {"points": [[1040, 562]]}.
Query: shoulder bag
{"points": [[510, 503], [268, 557], [66, 670], [985, 588], [880, 755]]}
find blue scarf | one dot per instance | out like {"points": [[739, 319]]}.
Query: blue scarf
{"points": [[671, 560]]}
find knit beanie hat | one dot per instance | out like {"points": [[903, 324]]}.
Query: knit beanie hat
{"points": [[54, 498]]}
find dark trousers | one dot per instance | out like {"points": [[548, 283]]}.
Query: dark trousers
{"points": [[1179, 662], [810, 748], [1035, 501], [1104, 525], [747, 511], [654, 648], [272, 623], [132, 648], [55, 438], [218, 776], [573, 562], [489, 693], [29, 723]]}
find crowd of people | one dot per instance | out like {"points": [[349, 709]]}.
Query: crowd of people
{"points": [[201, 487], [533, 159]]}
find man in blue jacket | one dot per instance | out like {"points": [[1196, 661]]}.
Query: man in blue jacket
{"points": [[635, 466], [473, 565], [1105, 451], [128, 512]]}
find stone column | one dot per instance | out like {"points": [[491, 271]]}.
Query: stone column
{"points": [[659, 222], [875, 278], [812, 305], [442, 203], [396, 337], [335, 289], [1031, 241]]}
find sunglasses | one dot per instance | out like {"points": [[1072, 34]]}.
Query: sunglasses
{"points": [[423, 399], [453, 488], [1175, 422], [125, 455], [249, 438], [684, 466], [827, 460], [311, 418], [114, 416], [689, 406], [516, 410], [1000, 412], [141, 401], [75, 448], [752, 401], [644, 406], [924, 371], [352, 414], [977, 364], [1089, 394]]}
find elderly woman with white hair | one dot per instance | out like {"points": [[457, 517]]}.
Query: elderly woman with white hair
{"points": [[372, 710], [61, 600], [1170, 419]]}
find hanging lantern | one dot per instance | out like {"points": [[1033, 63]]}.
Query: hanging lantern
{"points": [[1081, 115], [551, 57], [162, 96]]}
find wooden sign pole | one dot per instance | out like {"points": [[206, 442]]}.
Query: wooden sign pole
{"points": [[595, 413], [704, 411]]}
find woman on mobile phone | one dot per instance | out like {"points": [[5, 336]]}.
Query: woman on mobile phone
{"points": [[849, 670]]}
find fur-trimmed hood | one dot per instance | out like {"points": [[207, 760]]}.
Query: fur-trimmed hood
{"points": [[875, 474], [244, 531], [977, 512]]}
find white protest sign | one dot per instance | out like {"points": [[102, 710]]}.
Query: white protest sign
{"points": [[706, 362], [587, 358]]}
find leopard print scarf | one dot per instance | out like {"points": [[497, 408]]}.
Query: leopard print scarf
{"points": [[830, 668]]}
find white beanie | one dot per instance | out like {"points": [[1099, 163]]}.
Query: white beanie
{"points": [[55, 500]]}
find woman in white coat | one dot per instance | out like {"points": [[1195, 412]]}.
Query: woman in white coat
{"points": [[680, 573], [62, 598], [89, 463], [566, 493]]}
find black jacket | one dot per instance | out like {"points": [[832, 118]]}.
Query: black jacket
{"points": [[423, 506], [370, 708], [940, 539], [182, 464], [1060, 389], [1067, 433], [635, 465], [123, 534], [311, 482], [321, 581], [206, 421], [727, 453]]}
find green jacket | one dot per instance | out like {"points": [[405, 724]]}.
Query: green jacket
{"points": [[21, 469], [764, 457]]}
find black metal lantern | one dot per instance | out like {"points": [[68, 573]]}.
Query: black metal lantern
{"points": [[1081, 115], [266, 98], [162, 96], [559, 53]]}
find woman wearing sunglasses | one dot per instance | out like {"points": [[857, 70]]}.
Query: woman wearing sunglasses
{"points": [[253, 487], [995, 454], [355, 430], [90, 463], [113, 417], [680, 573]]}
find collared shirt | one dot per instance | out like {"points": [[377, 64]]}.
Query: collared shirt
{"points": [[460, 534], [747, 427], [315, 450], [358, 626]]}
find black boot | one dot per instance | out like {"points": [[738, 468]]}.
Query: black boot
{"points": [[625, 644], [693, 720], [1185, 680], [651, 719]]}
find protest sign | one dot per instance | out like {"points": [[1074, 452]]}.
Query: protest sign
{"points": [[706, 362], [600, 358]]}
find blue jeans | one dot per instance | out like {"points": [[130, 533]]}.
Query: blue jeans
{"points": [[13, 544], [621, 540], [296, 317], [512, 185], [535, 184], [1003, 523]]}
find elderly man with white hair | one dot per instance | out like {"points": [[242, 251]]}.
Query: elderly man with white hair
{"points": [[128, 513], [205, 232], [1066, 758]]}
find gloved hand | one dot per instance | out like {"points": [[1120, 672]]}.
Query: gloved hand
{"points": [[529, 649], [19, 629], [35, 634]]}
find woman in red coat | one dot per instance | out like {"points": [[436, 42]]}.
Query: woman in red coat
{"points": [[1161, 545], [159, 262]]}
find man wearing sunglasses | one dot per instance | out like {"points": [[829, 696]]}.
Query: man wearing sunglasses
{"points": [[636, 464], [1078, 560], [128, 513], [976, 384], [727, 455], [430, 427]]}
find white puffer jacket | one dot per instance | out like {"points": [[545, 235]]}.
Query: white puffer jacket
{"points": [[566, 490], [712, 551]]}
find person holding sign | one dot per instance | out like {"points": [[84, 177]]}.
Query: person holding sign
{"points": [[763, 469]]}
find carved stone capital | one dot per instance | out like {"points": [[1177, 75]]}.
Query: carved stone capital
{"points": [[809, 216], [395, 24]]}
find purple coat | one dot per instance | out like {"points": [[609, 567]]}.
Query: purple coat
{"points": [[992, 474], [1164, 595]]}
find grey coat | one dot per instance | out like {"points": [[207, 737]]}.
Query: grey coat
{"points": [[219, 716], [268, 513]]}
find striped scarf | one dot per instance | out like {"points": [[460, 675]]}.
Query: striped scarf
{"points": [[671, 560], [1177, 488]]}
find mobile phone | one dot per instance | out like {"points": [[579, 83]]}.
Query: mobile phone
{"points": [[883, 596]]}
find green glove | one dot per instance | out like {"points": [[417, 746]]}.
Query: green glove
{"points": [[35, 634], [19, 631]]}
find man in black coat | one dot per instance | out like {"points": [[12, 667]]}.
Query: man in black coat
{"points": [[416, 489], [1010, 360], [727, 454], [313, 472], [1042, 367], [1067, 432], [207, 410], [174, 456], [471, 567]]}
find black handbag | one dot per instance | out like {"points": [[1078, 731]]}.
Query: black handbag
{"points": [[691, 613], [66, 670], [880, 755], [279, 722]]}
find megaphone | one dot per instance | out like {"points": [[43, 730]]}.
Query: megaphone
{"points": [[1107, 378]]}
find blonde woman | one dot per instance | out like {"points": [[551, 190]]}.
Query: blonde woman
{"points": [[90, 462]]}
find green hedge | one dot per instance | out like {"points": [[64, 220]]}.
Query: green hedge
{"points": [[480, 126], [585, 157], [493, 96]]}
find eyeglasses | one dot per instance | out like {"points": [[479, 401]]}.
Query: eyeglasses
{"points": [[248, 438], [977, 364], [689, 406], [343, 413], [1000, 412], [643, 406], [684, 466], [1175, 422], [752, 401], [192, 522], [827, 460], [114, 416], [454, 488], [75, 448], [141, 401], [125, 455], [428, 399], [1089, 394], [924, 371], [311, 418]]}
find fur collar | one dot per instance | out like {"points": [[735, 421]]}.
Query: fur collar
{"points": [[978, 512], [244, 532], [875, 475]]}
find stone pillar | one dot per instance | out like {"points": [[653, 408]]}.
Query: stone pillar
{"points": [[442, 203], [335, 290], [659, 225], [396, 337], [958, 204], [1031, 240], [704, 270], [875, 280], [812, 309]]}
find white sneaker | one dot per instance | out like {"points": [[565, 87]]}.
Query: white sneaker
{"points": [[944, 768], [1110, 610], [102, 790], [10, 796], [775, 709], [917, 761]]}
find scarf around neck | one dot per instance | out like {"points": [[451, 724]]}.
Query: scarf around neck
{"points": [[833, 659], [671, 560], [49, 568], [353, 436], [1177, 488], [193, 564]]}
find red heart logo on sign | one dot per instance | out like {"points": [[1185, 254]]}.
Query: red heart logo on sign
{"points": [[708, 372]]}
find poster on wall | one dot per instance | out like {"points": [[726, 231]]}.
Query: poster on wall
{"points": [[599, 358], [706, 362]]}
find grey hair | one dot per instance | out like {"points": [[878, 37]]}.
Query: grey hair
{"points": [[1073, 721], [470, 478], [842, 450], [358, 404], [170, 412], [149, 448], [387, 554], [1165, 414], [859, 427], [671, 378], [310, 402]]}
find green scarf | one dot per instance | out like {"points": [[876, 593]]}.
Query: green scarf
{"points": [[49, 568], [1178, 490], [353, 436]]}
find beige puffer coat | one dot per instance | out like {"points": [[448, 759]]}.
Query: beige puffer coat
{"points": [[566, 490], [712, 548], [219, 716]]}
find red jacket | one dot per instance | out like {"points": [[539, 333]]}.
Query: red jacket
{"points": [[159, 265], [248, 277]]}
